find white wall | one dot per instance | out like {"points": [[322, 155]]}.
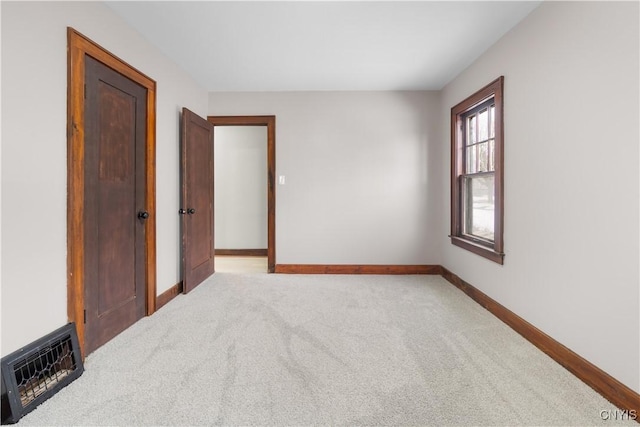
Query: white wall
{"points": [[571, 179], [240, 166], [362, 180], [34, 155]]}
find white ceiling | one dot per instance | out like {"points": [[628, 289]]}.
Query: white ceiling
{"points": [[326, 45]]}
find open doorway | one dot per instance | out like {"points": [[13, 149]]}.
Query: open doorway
{"points": [[244, 170]]}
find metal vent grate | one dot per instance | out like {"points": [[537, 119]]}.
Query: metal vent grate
{"points": [[36, 372]]}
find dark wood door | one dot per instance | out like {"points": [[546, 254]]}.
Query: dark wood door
{"points": [[114, 207], [198, 261]]}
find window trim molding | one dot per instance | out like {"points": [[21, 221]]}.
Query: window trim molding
{"points": [[493, 252]]}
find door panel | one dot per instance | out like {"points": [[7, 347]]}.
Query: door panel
{"points": [[198, 260], [115, 136]]}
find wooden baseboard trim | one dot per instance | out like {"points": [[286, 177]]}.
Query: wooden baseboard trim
{"points": [[241, 252], [610, 388], [168, 295], [356, 269]]}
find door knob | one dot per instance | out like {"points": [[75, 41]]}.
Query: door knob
{"points": [[191, 211], [181, 212], [143, 214]]}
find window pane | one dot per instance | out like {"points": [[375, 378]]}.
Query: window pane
{"points": [[471, 130], [483, 125], [492, 154], [471, 159], [492, 122], [479, 206], [483, 157]]}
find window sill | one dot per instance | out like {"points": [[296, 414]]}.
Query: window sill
{"points": [[478, 249]]}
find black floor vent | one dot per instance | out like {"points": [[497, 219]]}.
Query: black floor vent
{"points": [[36, 372]]}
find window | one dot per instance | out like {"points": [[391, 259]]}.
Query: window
{"points": [[477, 173]]}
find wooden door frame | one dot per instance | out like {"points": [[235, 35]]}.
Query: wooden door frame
{"points": [[270, 123], [78, 47]]}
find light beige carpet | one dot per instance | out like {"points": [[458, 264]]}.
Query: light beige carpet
{"points": [[258, 349], [238, 264]]}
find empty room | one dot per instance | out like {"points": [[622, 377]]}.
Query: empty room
{"points": [[320, 213]]}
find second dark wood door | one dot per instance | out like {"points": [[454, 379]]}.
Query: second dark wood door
{"points": [[197, 200], [114, 210]]}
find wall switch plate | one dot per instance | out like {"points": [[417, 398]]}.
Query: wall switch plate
{"points": [[281, 180]]}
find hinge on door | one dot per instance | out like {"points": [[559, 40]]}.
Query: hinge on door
{"points": [[85, 91], [85, 316]]}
